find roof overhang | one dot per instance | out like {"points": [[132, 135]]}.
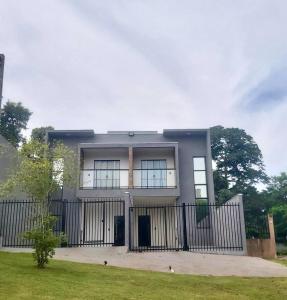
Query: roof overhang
{"points": [[184, 132], [70, 133]]}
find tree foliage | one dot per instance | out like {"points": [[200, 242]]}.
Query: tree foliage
{"points": [[40, 172], [239, 161], [13, 119], [39, 134], [276, 195]]}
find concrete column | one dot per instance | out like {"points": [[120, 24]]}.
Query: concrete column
{"points": [[127, 218], [272, 236], [242, 223], [131, 163]]}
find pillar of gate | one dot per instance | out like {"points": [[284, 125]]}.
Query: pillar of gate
{"points": [[128, 204], [242, 223]]}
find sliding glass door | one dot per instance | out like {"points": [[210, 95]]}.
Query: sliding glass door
{"points": [[153, 173]]}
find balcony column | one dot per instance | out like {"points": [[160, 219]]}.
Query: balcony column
{"points": [[131, 163]]}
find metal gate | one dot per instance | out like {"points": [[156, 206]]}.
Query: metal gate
{"points": [[186, 227], [90, 222]]}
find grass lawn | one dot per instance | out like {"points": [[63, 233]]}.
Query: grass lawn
{"points": [[20, 279]]}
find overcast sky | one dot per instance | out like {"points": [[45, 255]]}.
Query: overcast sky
{"points": [[149, 65]]}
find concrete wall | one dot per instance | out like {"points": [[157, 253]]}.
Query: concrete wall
{"points": [[7, 158]]}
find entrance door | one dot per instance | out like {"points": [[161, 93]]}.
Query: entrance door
{"points": [[119, 230], [144, 231]]}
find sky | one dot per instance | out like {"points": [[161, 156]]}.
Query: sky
{"points": [[151, 65]]}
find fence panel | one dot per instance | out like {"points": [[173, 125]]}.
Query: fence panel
{"points": [[16, 218], [186, 227], [155, 228], [92, 222]]}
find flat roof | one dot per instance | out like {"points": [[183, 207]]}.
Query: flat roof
{"points": [[131, 132], [184, 132], [91, 133], [67, 133]]}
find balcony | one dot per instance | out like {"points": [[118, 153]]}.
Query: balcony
{"points": [[119, 179], [108, 171]]}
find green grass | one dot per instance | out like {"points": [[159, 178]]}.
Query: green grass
{"points": [[20, 279]]}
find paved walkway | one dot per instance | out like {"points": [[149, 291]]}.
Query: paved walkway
{"points": [[181, 262]]}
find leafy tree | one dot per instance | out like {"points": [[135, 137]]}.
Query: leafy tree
{"points": [[39, 133], [277, 189], [13, 119], [276, 195], [41, 170], [239, 162]]}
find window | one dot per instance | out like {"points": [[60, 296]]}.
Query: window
{"points": [[107, 174], [201, 194], [200, 183], [153, 173]]}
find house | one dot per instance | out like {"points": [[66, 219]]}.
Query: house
{"points": [[147, 190]]}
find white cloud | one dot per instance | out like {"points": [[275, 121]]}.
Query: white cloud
{"points": [[112, 65]]}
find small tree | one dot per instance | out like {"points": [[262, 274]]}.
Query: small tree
{"points": [[40, 172]]}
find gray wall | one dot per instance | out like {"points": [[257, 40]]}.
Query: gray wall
{"points": [[7, 157], [194, 144]]}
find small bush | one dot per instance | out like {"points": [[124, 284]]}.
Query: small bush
{"points": [[44, 239]]}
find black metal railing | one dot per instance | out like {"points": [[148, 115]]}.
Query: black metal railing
{"points": [[93, 222], [101, 222], [178, 228]]}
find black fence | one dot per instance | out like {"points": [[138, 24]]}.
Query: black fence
{"points": [[186, 227], [101, 222], [256, 224], [97, 222]]}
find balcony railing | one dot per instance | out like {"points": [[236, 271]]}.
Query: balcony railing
{"points": [[154, 178], [104, 178], [119, 179]]}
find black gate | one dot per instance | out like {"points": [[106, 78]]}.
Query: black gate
{"points": [[186, 227], [90, 222]]}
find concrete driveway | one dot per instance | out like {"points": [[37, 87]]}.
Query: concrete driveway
{"points": [[181, 262]]}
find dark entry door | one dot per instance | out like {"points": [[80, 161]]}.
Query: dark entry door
{"points": [[119, 231], [144, 231]]}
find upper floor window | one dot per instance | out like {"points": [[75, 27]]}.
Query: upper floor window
{"points": [[107, 174], [200, 183], [154, 173], [201, 195]]}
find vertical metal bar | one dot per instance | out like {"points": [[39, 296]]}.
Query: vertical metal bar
{"points": [[84, 227], [104, 221], [185, 246], [130, 230]]}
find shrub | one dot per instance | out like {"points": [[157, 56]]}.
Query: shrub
{"points": [[44, 239]]}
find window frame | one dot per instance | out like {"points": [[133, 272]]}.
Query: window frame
{"points": [[161, 179], [96, 179], [196, 199]]}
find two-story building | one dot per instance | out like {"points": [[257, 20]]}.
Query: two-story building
{"points": [[136, 187]]}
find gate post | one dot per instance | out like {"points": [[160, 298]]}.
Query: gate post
{"points": [[242, 223], [64, 208], [185, 245]]}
